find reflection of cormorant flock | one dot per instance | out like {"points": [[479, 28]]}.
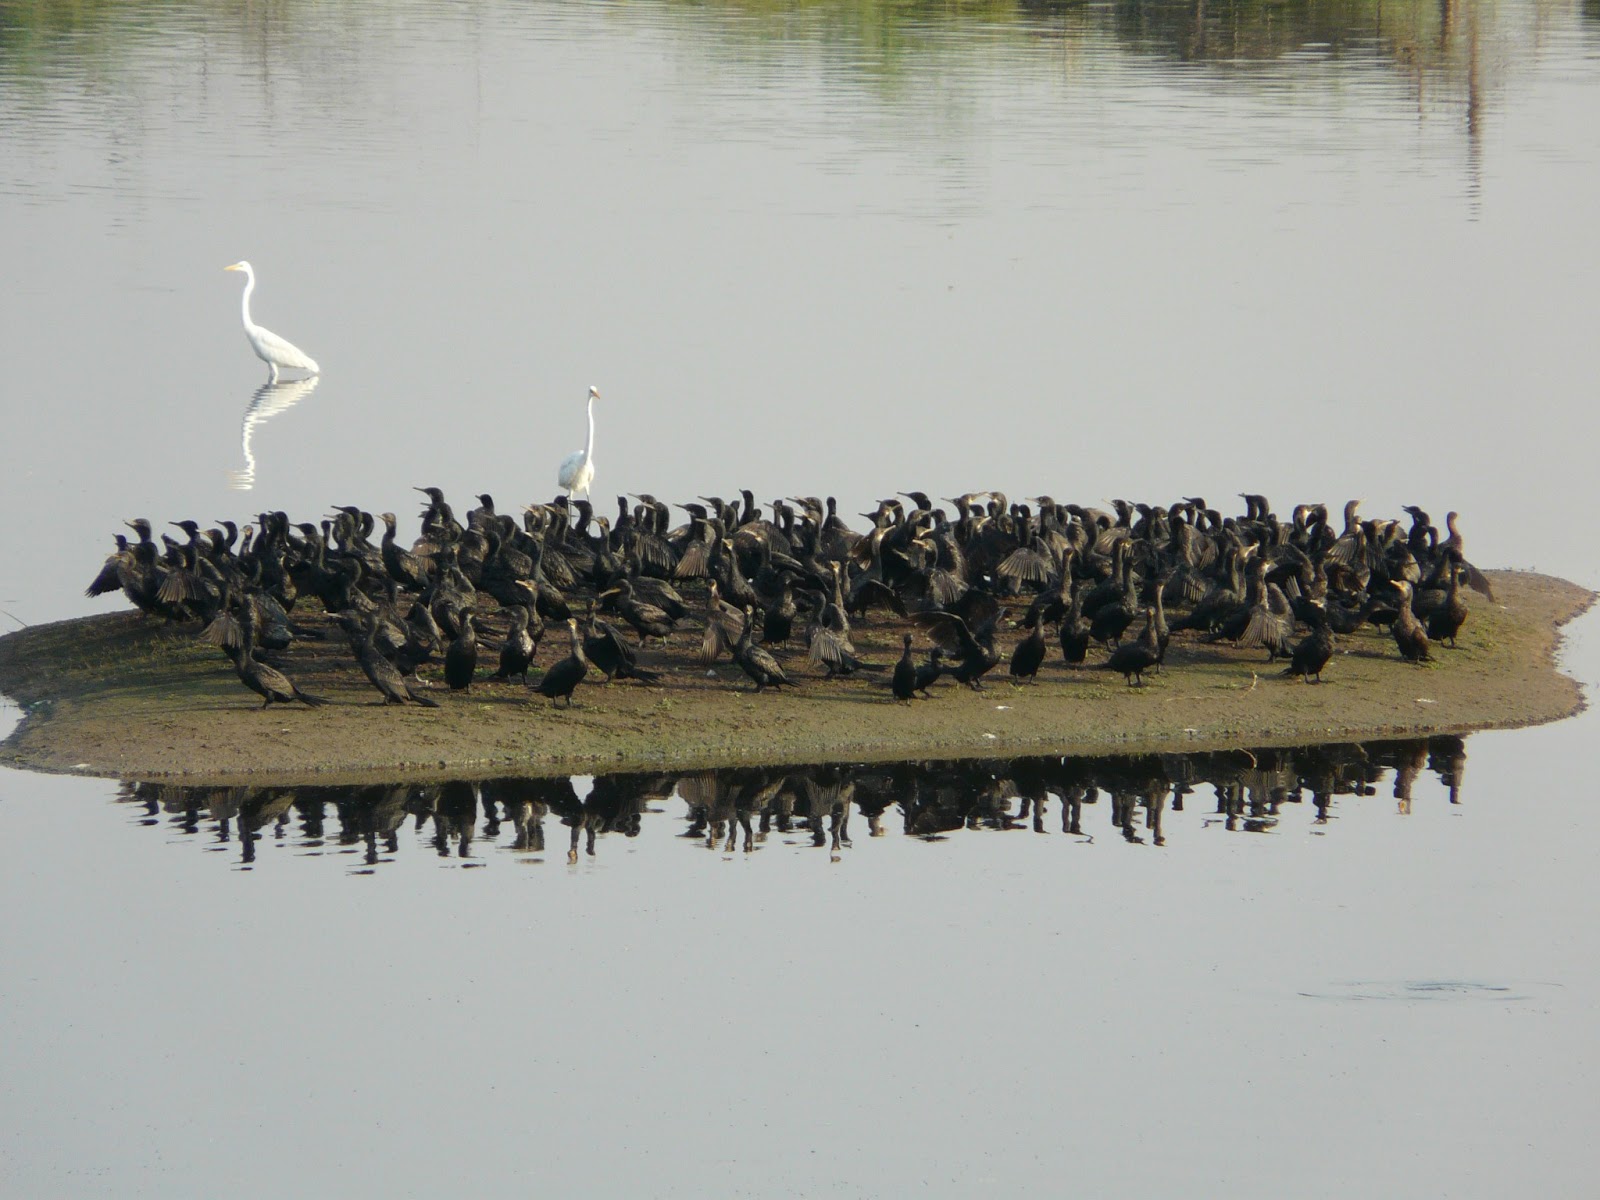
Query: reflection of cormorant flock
{"points": [[740, 809]]}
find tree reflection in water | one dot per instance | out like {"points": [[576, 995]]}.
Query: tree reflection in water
{"points": [[739, 809]]}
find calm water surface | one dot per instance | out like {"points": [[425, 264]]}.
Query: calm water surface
{"points": [[1135, 250]]}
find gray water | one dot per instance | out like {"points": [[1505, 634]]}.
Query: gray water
{"points": [[1128, 250]]}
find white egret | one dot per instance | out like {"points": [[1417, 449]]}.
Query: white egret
{"points": [[269, 347], [577, 468]]}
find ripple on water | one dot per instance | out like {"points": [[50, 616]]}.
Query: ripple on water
{"points": [[1432, 990]]}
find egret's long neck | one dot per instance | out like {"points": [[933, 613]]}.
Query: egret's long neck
{"points": [[588, 447], [244, 301]]}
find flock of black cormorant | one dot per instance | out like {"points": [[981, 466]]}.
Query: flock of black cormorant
{"points": [[778, 592]]}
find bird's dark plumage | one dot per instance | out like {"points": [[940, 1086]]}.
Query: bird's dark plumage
{"points": [[757, 662], [563, 679]]}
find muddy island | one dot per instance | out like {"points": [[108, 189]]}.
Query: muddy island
{"points": [[129, 696]]}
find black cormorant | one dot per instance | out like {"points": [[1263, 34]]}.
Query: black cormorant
{"points": [[647, 619], [1075, 631], [1446, 620], [272, 685], [1312, 652], [110, 577], [606, 650], [756, 662], [563, 678], [972, 644], [1133, 659], [1029, 654], [1111, 620], [461, 656], [724, 624], [1409, 635], [380, 672], [904, 681], [517, 651], [777, 624]]}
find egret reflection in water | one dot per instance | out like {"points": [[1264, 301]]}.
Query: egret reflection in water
{"points": [[742, 809], [269, 400]]}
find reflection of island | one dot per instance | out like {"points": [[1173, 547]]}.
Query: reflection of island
{"points": [[269, 400], [740, 809]]}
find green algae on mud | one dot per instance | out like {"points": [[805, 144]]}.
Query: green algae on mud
{"points": [[120, 695]]}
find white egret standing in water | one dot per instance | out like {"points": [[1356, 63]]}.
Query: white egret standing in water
{"points": [[577, 468], [269, 347]]}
